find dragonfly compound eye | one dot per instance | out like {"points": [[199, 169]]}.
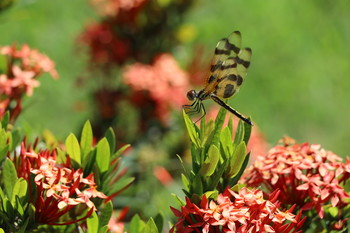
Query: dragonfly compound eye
{"points": [[191, 95]]}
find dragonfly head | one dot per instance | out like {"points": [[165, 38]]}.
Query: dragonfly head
{"points": [[192, 95]]}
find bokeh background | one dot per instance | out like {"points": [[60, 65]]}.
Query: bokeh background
{"points": [[298, 82]]}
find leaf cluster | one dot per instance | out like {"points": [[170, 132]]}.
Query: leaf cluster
{"points": [[218, 160]]}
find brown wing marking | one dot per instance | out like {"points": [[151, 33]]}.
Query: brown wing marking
{"points": [[225, 48], [233, 72]]}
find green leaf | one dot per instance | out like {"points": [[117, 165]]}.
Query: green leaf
{"points": [[23, 228], [159, 221], [15, 139], [73, 149], [151, 227], [239, 133], [5, 120], [136, 224], [106, 214], [247, 132], [219, 122], [333, 211], [19, 190], [122, 183], [236, 160], [120, 151], [191, 130], [9, 177], [3, 153], [185, 181], [110, 136], [103, 229], [86, 139], [61, 156], [210, 163], [197, 186], [18, 206], [3, 140], [103, 155], [92, 223], [234, 181], [226, 142], [179, 201], [89, 162]]}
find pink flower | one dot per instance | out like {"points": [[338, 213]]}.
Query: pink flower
{"points": [[59, 188], [5, 85], [306, 175], [113, 7], [24, 79], [165, 82], [245, 211]]}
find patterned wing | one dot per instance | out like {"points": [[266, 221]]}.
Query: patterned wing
{"points": [[225, 48], [233, 72]]}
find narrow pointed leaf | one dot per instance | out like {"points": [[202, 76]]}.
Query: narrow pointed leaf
{"points": [[191, 130], [159, 221], [9, 177], [73, 149], [92, 223], [239, 133], [247, 132], [219, 122], [103, 155], [106, 214], [110, 136], [136, 224], [151, 227], [86, 139]]}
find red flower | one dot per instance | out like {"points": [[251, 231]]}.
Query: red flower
{"points": [[305, 174], [106, 48], [24, 67], [165, 82], [58, 187], [245, 211], [114, 7]]}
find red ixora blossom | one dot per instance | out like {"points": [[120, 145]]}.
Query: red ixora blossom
{"points": [[112, 8], [165, 82], [24, 66], [106, 48], [59, 187], [306, 175], [242, 212]]}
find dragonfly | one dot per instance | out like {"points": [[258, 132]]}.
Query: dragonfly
{"points": [[227, 72]]}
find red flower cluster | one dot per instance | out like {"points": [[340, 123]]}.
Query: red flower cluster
{"points": [[114, 7], [306, 175], [245, 211], [106, 48], [165, 82], [59, 188], [24, 66]]}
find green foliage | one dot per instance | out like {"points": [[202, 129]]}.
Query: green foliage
{"points": [[15, 210], [137, 225], [218, 160]]}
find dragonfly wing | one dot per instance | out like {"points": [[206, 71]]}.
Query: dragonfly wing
{"points": [[225, 48], [233, 72]]}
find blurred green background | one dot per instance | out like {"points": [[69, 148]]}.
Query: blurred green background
{"points": [[298, 83]]}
